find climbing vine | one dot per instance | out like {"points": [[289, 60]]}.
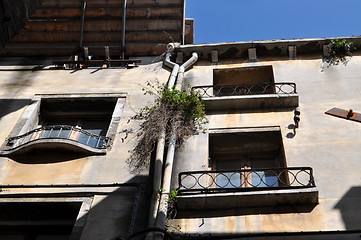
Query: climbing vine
{"points": [[176, 113]]}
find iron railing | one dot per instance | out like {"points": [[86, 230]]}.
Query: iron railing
{"points": [[245, 180], [59, 132], [245, 89]]}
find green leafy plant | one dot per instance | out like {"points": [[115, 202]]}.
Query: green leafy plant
{"points": [[172, 204], [339, 50], [174, 112], [173, 196]]}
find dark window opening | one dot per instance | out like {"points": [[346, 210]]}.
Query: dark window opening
{"points": [[37, 221], [247, 159], [92, 115], [243, 81]]}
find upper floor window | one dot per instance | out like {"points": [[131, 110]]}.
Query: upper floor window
{"points": [[242, 81], [78, 122], [247, 88]]}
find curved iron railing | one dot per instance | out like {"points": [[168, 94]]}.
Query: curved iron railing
{"points": [[245, 180], [245, 89], [59, 132]]}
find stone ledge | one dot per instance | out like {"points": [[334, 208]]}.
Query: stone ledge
{"points": [[305, 196], [264, 101]]}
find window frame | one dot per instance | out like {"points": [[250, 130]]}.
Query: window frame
{"points": [[279, 158], [29, 120]]}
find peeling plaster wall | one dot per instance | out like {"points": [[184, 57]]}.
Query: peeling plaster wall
{"points": [[330, 145], [24, 83], [20, 81]]}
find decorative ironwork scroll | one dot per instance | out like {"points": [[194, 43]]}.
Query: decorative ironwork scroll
{"points": [[245, 180]]}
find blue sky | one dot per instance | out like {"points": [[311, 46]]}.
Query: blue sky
{"points": [[246, 20]]}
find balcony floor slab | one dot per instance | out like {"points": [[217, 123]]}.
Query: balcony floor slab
{"points": [[231, 200]]}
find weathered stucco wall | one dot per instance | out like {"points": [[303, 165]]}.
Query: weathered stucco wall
{"points": [[328, 144], [111, 213], [23, 82]]}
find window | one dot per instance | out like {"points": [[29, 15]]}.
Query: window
{"points": [[247, 159], [243, 81], [246, 168], [77, 122], [37, 220], [247, 88]]}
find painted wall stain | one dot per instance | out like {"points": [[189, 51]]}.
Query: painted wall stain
{"points": [[291, 222], [230, 224]]}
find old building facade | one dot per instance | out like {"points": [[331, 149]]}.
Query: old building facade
{"points": [[273, 162]]}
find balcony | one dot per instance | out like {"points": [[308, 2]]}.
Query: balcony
{"points": [[57, 137], [248, 96], [246, 188]]}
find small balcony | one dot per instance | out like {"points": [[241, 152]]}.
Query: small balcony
{"points": [[246, 188], [56, 137], [248, 96]]}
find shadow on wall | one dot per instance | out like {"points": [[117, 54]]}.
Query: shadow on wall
{"points": [[79, 213], [245, 211], [113, 217], [350, 208], [266, 110], [8, 106], [38, 157]]}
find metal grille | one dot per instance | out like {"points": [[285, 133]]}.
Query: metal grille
{"points": [[59, 132], [245, 180], [245, 89]]}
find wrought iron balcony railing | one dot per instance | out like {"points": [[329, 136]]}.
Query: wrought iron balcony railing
{"points": [[59, 132], [245, 89], [245, 180]]}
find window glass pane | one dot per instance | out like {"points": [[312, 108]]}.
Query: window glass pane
{"points": [[93, 142], [83, 138], [100, 143], [264, 178], [90, 140], [228, 179], [54, 133], [45, 133], [65, 133]]}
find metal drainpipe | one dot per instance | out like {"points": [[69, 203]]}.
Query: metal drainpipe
{"points": [[123, 30], [82, 25], [167, 176], [158, 166], [180, 84], [169, 63], [157, 183]]}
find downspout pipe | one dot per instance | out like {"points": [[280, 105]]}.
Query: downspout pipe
{"points": [[167, 176], [180, 84], [123, 30], [82, 25], [169, 63], [157, 184], [158, 165]]}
